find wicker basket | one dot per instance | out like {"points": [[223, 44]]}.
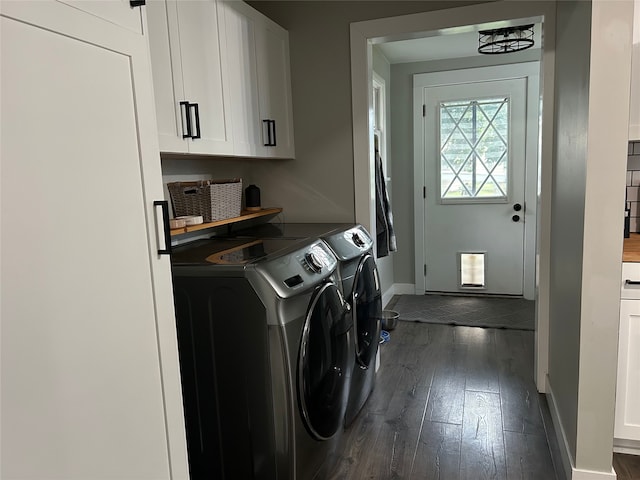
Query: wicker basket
{"points": [[213, 199]]}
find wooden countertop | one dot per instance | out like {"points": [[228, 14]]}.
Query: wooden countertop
{"points": [[631, 248]]}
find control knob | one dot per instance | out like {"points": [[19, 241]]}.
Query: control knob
{"points": [[357, 240], [314, 262]]}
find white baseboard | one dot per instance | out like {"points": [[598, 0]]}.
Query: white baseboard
{"points": [[397, 289], [578, 474], [570, 470], [563, 444], [631, 447], [405, 288]]}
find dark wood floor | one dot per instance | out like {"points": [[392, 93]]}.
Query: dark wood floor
{"points": [[451, 402], [627, 467]]}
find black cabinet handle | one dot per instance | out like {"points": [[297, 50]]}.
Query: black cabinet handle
{"points": [[632, 282], [165, 226], [517, 207], [268, 123], [197, 110], [516, 218], [271, 132], [186, 134]]}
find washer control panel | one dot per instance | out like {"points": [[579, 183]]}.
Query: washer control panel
{"points": [[300, 269]]}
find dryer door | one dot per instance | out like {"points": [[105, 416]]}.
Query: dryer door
{"points": [[367, 311], [323, 362]]}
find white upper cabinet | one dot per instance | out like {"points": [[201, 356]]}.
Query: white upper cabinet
{"points": [[260, 82], [189, 74], [634, 105], [274, 84], [240, 40]]}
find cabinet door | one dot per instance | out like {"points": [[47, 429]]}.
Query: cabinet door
{"points": [[189, 66], [90, 377], [203, 73], [274, 82], [168, 87], [240, 45], [627, 418], [124, 15]]}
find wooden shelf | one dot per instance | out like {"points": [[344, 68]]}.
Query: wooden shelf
{"points": [[246, 215]]}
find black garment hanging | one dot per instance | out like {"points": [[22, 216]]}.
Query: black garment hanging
{"points": [[385, 235]]}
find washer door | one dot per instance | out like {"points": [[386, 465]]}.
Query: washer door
{"points": [[367, 311], [323, 362]]}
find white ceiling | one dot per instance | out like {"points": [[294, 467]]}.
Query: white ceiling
{"points": [[440, 47]]}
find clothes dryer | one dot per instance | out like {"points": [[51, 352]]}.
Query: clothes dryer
{"points": [[265, 347], [353, 248]]}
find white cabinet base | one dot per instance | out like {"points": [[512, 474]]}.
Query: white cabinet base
{"points": [[627, 418], [626, 446]]}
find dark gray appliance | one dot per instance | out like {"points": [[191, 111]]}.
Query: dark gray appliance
{"points": [[265, 348], [353, 247]]}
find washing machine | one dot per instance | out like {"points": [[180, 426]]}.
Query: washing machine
{"points": [[353, 247], [264, 336]]}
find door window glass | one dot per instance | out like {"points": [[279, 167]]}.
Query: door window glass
{"points": [[323, 363], [367, 311], [474, 149]]}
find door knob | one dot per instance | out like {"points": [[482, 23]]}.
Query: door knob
{"points": [[516, 218], [517, 207]]}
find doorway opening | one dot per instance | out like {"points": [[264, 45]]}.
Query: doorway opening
{"points": [[364, 35]]}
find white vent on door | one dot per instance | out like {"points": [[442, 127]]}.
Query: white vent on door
{"points": [[472, 270]]}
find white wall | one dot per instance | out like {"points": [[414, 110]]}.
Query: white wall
{"points": [[609, 90], [184, 168], [592, 95]]}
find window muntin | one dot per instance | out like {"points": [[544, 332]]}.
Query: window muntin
{"points": [[474, 149]]}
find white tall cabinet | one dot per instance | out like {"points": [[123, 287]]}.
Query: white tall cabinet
{"points": [[89, 371], [123, 16]]}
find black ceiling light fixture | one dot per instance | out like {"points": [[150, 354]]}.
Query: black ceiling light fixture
{"points": [[505, 40]]}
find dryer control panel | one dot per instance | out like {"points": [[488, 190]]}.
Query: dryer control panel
{"points": [[349, 244], [299, 270]]}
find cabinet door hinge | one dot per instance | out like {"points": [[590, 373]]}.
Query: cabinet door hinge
{"points": [[137, 3], [424, 110]]}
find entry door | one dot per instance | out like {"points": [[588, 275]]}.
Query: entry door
{"points": [[474, 137]]}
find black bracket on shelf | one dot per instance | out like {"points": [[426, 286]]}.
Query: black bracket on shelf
{"points": [[137, 3]]}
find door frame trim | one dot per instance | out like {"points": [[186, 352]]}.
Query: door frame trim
{"points": [[528, 70], [364, 34]]}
